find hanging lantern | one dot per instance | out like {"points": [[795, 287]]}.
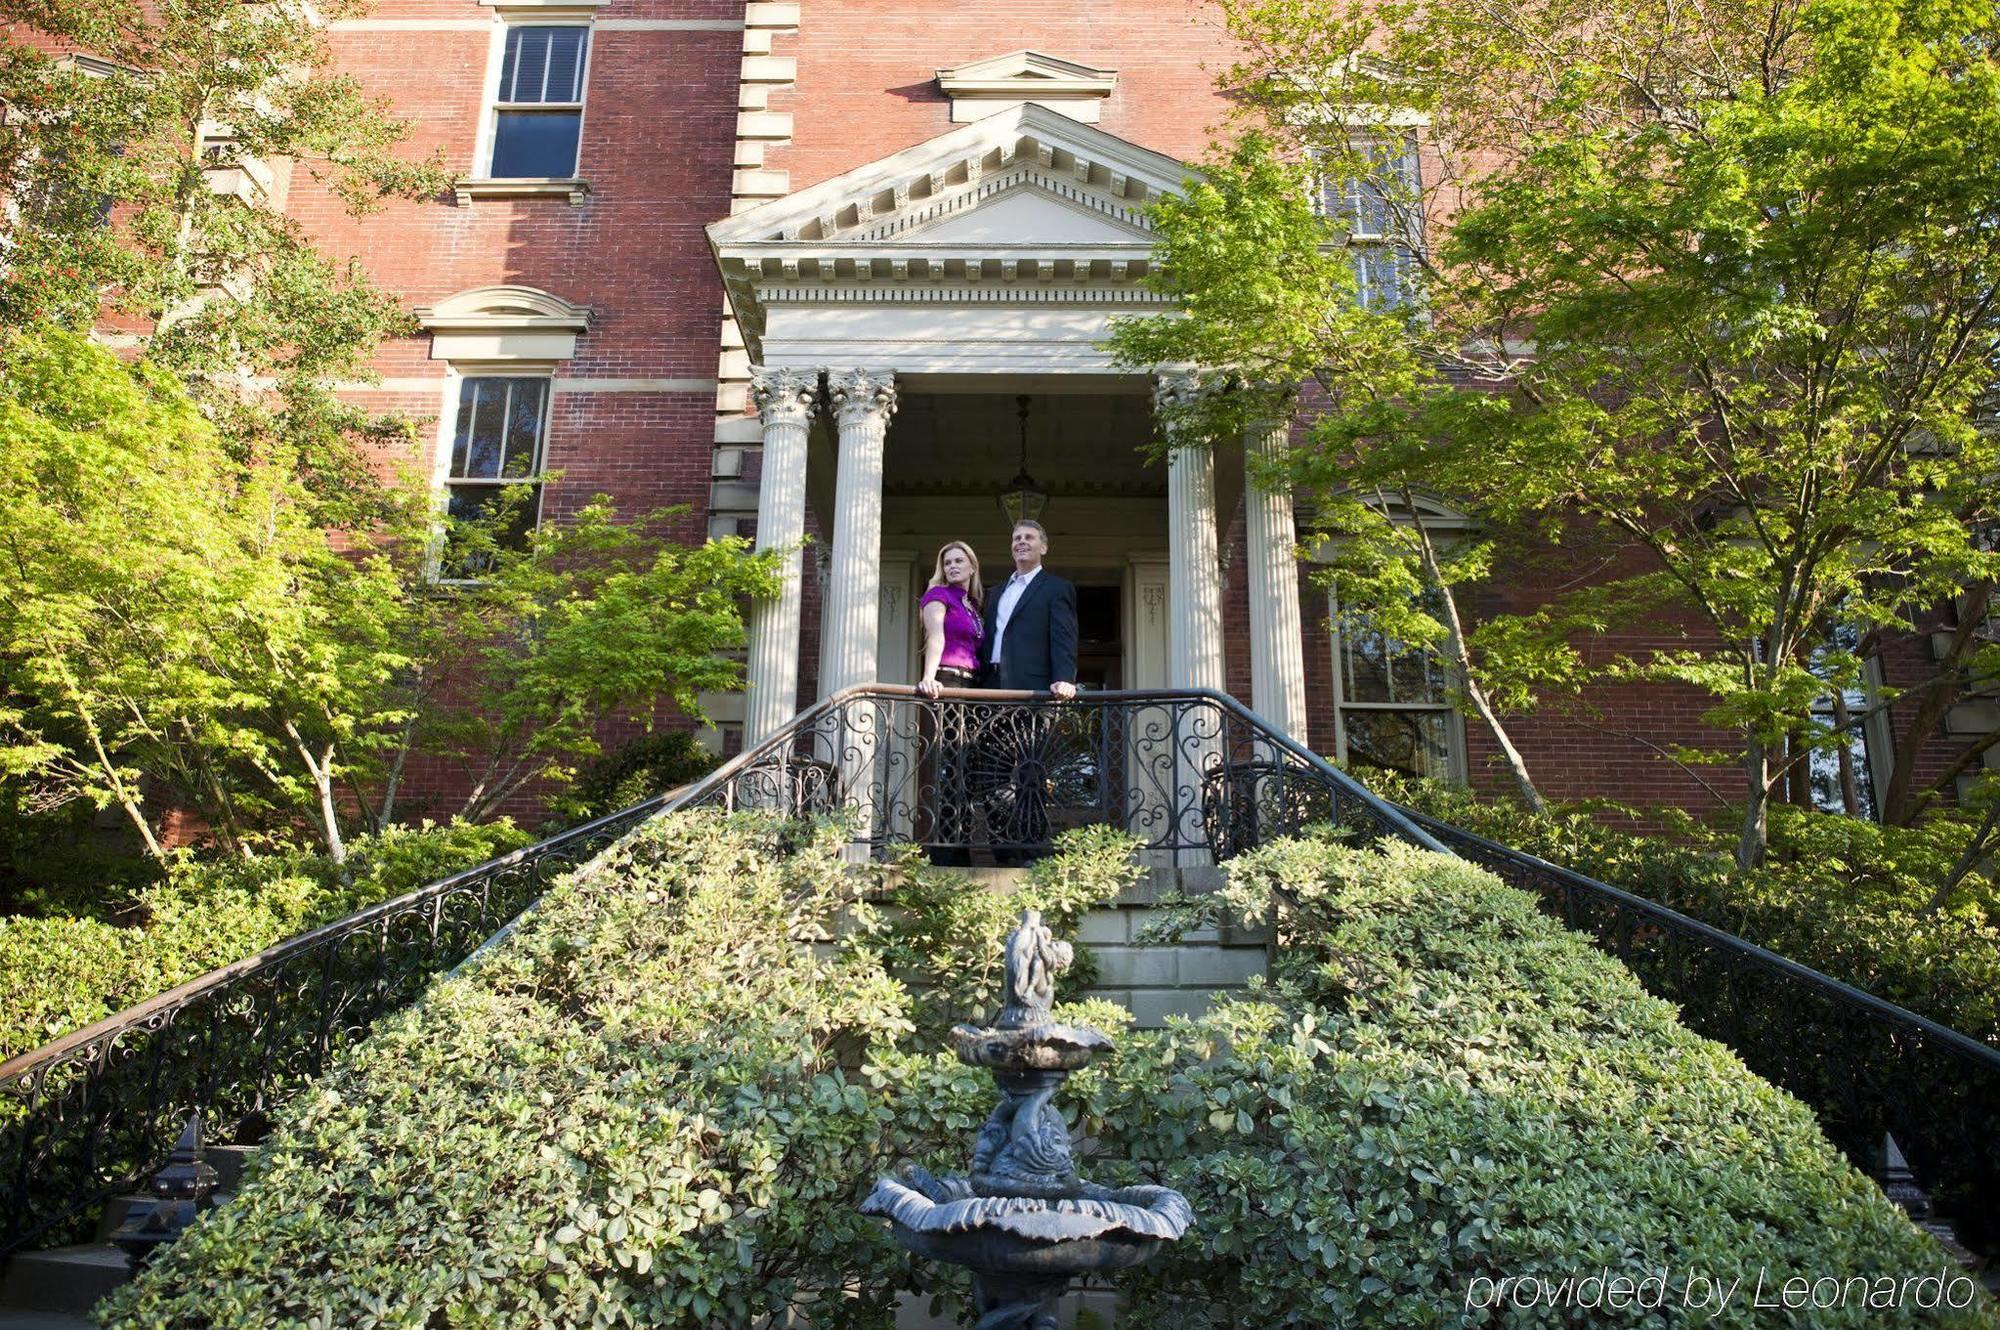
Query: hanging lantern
{"points": [[1023, 500]]}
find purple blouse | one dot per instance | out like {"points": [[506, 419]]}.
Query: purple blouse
{"points": [[962, 628]]}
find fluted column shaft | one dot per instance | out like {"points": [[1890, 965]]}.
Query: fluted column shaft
{"points": [[1277, 648], [784, 400], [863, 400], [1194, 572]]}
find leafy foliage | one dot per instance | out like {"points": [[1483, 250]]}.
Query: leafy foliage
{"points": [[649, 765], [62, 974], [1850, 898], [558, 1135], [942, 933], [1448, 1087], [1703, 296]]}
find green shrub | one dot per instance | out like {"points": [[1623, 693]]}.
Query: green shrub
{"points": [[633, 1112], [649, 765], [1846, 897], [1445, 1087], [69, 973], [941, 932], [655, 1104]]}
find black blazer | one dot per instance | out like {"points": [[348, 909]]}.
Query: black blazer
{"points": [[1041, 636]]}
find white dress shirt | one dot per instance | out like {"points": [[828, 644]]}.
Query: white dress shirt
{"points": [[1010, 596]]}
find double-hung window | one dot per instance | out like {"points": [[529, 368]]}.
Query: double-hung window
{"points": [[1392, 707], [538, 107], [495, 476], [1375, 207], [1840, 772]]}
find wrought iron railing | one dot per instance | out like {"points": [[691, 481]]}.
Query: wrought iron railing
{"points": [[86, 1117], [976, 777], [1192, 774], [89, 1115], [1867, 1067]]}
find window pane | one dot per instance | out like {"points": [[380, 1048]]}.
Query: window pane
{"points": [[1366, 656], [482, 419], [524, 427], [1413, 743], [526, 65], [509, 509], [535, 143], [1378, 274], [544, 64], [565, 81], [1376, 669]]}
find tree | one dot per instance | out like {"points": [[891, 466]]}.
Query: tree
{"points": [[1732, 271], [514, 672], [146, 150], [1269, 298]]}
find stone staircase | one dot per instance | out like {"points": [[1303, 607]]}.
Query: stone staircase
{"points": [[55, 1289]]}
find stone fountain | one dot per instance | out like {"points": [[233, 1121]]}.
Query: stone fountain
{"points": [[1023, 1221]]}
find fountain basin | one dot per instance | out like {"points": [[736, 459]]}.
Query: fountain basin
{"points": [[1100, 1229], [1043, 1047]]}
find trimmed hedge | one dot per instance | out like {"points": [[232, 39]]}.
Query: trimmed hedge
{"points": [[63, 974], [1846, 897], [654, 1105]]}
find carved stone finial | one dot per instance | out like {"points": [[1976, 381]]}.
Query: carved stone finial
{"points": [[859, 393], [784, 395]]}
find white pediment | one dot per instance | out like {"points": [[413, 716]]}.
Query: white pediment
{"points": [[963, 168], [997, 83], [1026, 207]]}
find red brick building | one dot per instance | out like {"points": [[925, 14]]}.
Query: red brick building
{"points": [[837, 269]]}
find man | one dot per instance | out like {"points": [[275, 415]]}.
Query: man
{"points": [[1029, 643], [1030, 639]]}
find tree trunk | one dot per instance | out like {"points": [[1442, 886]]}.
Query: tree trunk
{"points": [[321, 771], [1756, 831], [1461, 659]]}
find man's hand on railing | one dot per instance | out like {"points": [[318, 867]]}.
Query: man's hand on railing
{"points": [[1062, 692]]}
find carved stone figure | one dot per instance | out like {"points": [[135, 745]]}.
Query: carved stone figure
{"points": [[1034, 959]]}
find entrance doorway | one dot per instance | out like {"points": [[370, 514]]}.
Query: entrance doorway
{"points": [[1100, 649]]}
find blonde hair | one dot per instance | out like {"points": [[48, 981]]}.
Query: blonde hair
{"points": [[975, 593]]}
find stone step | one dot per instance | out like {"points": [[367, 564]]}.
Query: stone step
{"points": [[62, 1279], [11, 1319]]}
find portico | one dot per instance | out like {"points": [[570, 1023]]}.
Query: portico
{"points": [[893, 316]]}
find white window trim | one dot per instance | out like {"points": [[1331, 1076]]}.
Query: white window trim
{"points": [[1455, 760], [507, 15], [456, 373]]}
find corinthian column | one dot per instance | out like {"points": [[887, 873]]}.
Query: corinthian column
{"points": [[1194, 594], [784, 400], [863, 401], [1194, 620], [1277, 649]]}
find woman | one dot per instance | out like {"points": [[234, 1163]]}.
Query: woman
{"points": [[951, 611]]}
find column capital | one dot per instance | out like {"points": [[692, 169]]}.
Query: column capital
{"points": [[1178, 389], [784, 395], [861, 393]]}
